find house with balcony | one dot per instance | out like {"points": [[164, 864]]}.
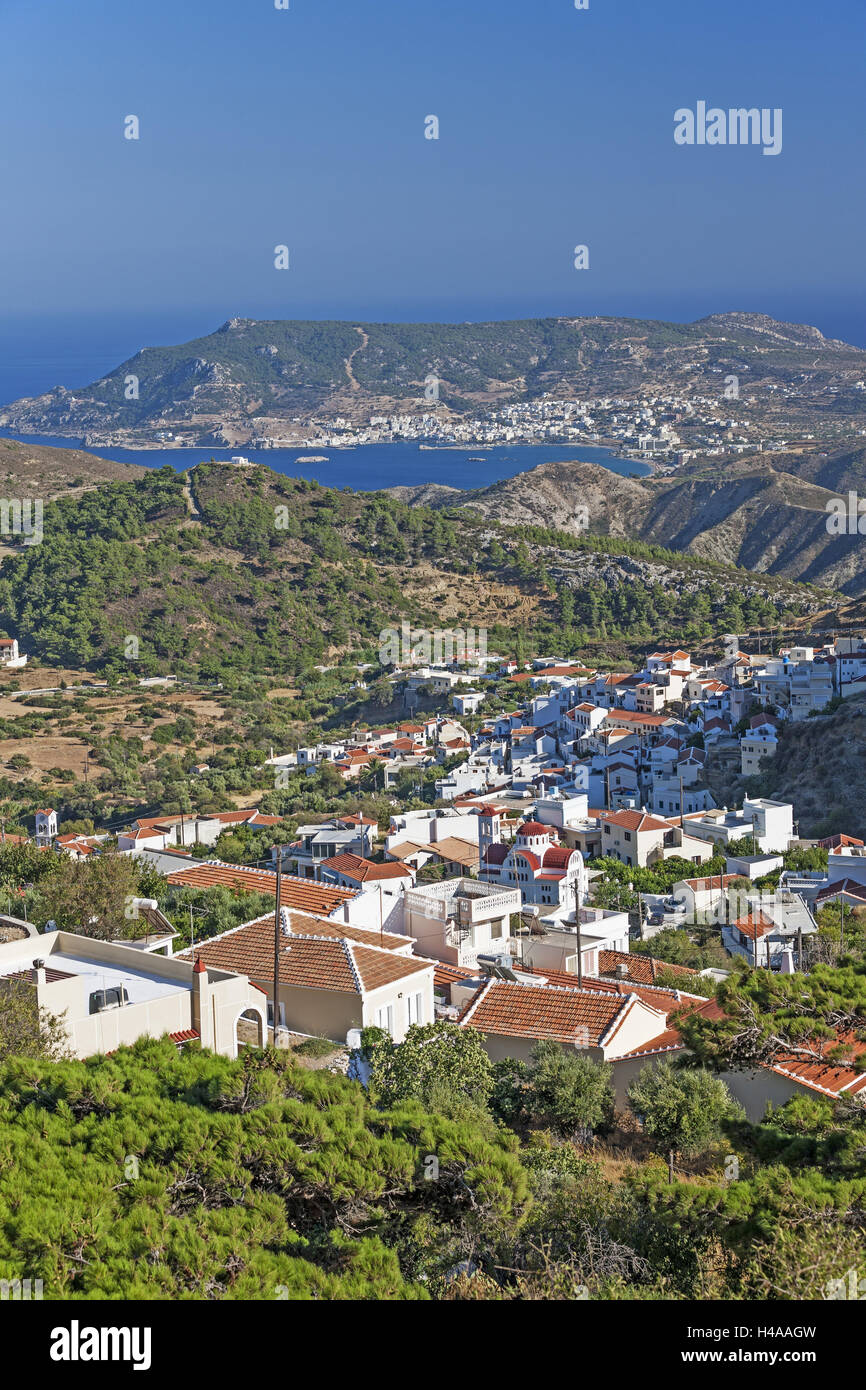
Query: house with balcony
{"points": [[316, 843], [459, 919], [564, 941]]}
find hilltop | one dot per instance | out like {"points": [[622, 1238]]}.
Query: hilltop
{"points": [[255, 378], [40, 470]]}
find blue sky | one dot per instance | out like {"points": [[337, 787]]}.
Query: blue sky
{"points": [[306, 127]]}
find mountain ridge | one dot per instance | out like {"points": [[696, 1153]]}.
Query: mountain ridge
{"points": [[748, 512], [253, 377]]}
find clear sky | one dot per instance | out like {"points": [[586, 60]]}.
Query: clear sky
{"points": [[306, 127]]}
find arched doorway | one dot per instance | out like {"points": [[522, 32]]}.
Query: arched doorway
{"points": [[250, 1029]]}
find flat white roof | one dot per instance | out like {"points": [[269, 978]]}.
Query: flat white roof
{"points": [[140, 986]]}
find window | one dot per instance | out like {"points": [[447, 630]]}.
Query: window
{"points": [[607, 829], [271, 1014], [385, 1018], [415, 1007], [627, 834]]}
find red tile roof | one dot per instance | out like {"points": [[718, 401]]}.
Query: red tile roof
{"points": [[533, 827], [301, 893], [642, 969], [364, 870], [546, 1012], [634, 820], [309, 960]]}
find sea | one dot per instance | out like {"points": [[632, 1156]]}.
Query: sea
{"points": [[369, 467], [73, 352]]}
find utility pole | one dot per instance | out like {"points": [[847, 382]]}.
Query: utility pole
{"points": [[277, 942], [576, 888]]}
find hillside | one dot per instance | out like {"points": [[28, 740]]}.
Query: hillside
{"points": [[272, 574], [820, 766], [254, 377], [38, 470], [764, 513]]}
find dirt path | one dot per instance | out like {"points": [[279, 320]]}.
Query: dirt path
{"points": [[365, 338], [192, 506]]}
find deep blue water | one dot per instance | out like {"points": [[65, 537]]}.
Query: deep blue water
{"points": [[373, 466], [75, 350]]}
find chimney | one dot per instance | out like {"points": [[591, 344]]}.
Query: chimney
{"points": [[621, 970], [37, 974], [202, 1014]]}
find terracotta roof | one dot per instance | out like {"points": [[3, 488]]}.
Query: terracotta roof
{"points": [[50, 975], [556, 857], [848, 887], [532, 859], [305, 925], [309, 959], [496, 854], [628, 716], [755, 926], [634, 820], [184, 1035], [546, 1012], [706, 885], [533, 827], [840, 842], [406, 849], [456, 850], [641, 969], [670, 1039], [364, 870], [829, 1078], [302, 893]]}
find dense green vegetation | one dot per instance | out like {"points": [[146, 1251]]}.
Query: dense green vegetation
{"points": [[281, 574], [149, 1174]]}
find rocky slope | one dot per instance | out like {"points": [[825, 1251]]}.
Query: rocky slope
{"points": [[752, 512], [820, 766]]}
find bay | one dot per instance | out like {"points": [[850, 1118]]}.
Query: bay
{"points": [[369, 467]]}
